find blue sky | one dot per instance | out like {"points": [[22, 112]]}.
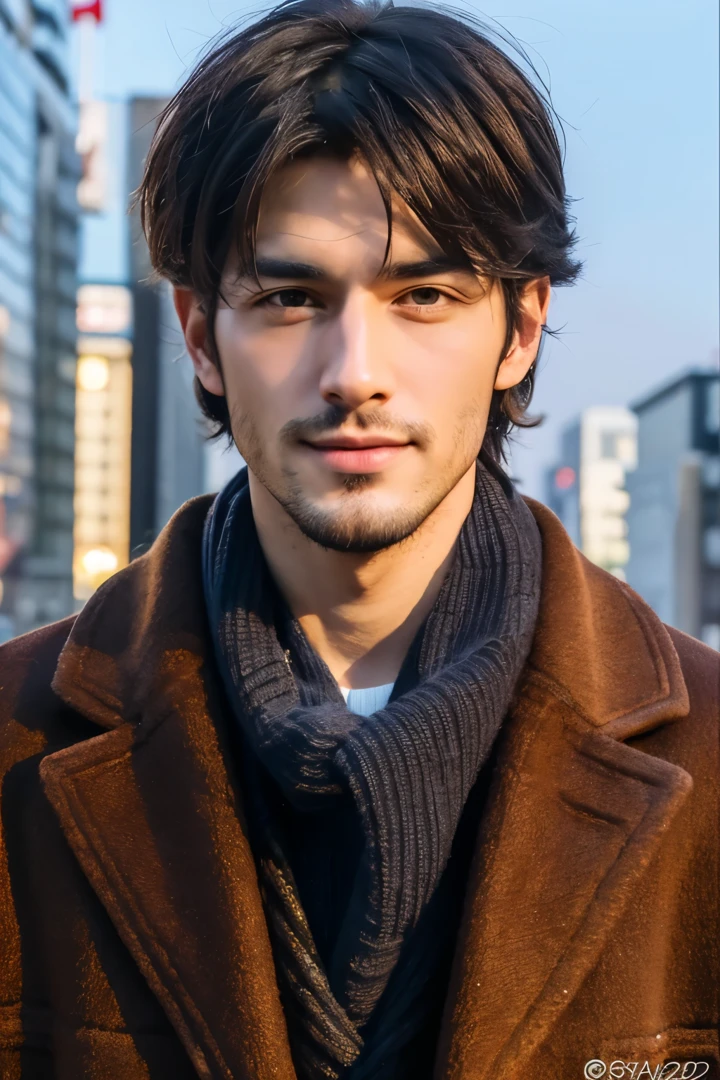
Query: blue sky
{"points": [[636, 85]]}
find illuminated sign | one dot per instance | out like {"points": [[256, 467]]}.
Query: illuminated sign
{"points": [[104, 309], [103, 420]]}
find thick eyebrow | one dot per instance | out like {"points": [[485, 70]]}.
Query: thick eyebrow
{"points": [[290, 270], [438, 264]]}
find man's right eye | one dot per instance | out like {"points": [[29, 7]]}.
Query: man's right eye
{"points": [[287, 298]]}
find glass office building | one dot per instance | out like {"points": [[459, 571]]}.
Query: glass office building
{"points": [[168, 435], [39, 172], [674, 515]]}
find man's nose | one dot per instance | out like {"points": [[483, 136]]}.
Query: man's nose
{"points": [[357, 366]]}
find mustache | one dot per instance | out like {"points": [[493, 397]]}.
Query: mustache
{"points": [[331, 419]]}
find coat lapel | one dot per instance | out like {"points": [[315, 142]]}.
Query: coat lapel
{"points": [[574, 816], [152, 815], [153, 820], [573, 823]]}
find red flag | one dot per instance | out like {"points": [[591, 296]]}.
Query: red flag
{"points": [[93, 8]]}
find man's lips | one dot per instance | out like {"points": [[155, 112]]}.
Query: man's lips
{"points": [[357, 454]]}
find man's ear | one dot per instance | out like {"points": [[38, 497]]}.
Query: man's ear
{"points": [[532, 316], [194, 327]]}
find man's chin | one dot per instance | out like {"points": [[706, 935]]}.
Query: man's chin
{"points": [[362, 529], [352, 543]]}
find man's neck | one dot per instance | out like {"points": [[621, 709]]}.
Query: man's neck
{"points": [[361, 612]]}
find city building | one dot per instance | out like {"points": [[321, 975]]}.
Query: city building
{"points": [[674, 518], [168, 463], [141, 448], [586, 488], [39, 174], [102, 436]]}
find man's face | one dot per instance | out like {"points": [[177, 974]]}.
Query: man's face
{"points": [[358, 392]]}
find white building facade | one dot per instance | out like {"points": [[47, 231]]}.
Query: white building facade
{"points": [[587, 487]]}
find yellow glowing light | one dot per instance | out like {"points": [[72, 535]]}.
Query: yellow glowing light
{"points": [[99, 560], [93, 373]]}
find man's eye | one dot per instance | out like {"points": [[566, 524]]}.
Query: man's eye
{"points": [[287, 298], [423, 297]]}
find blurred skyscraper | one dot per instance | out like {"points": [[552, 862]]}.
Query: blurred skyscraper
{"points": [[39, 173], [586, 488], [141, 450], [168, 446], [102, 435], [674, 519]]}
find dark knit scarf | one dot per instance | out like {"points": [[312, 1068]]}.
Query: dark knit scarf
{"points": [[405, 772]]}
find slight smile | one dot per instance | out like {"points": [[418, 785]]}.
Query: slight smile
{"points": [[360, 454]]}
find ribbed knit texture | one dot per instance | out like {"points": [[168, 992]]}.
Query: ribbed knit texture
{"points": [[407, 771]]}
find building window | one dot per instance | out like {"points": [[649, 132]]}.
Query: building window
{"points": [[608, 444], [712, 546], [711, 472], [712, 408], [44, 17]]}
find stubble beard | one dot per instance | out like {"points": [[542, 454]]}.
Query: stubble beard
{"points": [[353, 525]]}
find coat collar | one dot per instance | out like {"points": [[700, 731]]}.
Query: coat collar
{"points": [[155, 821], [598, 647]]}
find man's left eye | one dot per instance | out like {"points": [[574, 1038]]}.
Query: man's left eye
{"points": [[424, 297]]}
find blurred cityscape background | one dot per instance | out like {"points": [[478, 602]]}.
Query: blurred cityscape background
{"points": [[100, 436]]}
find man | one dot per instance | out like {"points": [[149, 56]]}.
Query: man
{"points": [[362, 770]]}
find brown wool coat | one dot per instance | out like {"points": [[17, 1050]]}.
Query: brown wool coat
{"points": [[134, 944]]}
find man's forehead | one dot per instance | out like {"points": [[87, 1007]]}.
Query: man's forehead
{"points": [[319, 204], [362, 248]]}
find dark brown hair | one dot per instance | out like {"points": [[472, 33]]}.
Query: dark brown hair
{"points": [[439, 112]]}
